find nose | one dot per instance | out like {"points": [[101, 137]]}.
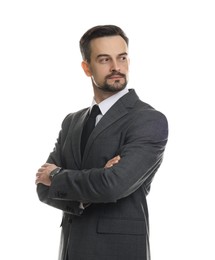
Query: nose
{"points": [[114, 66]]}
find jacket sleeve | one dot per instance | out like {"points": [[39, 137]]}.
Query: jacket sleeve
{"points": [[141, 155], [68, 206], [71, 207]]}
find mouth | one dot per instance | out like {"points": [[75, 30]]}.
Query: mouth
{"points": [[117, 76]]}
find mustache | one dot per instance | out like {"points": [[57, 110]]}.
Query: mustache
{"points": [[115, 74]]}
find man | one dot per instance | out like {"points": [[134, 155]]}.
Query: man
{"points": [[101, 186]]}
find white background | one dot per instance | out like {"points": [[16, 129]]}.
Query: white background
{"points": [[172, 51]]}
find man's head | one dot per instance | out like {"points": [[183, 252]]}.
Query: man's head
{"points": [[97, 32], [105, 59]]}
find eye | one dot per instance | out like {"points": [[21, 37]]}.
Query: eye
{"points": [[123, 58], [104, 60]]}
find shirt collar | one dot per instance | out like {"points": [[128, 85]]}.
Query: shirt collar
{"points": [[106, 104]]}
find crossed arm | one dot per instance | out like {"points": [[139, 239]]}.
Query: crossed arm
{"points": [[43, 173], [141, 153]]}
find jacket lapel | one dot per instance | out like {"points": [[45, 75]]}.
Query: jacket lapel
{"points": [[117, 111], [76, 136]]}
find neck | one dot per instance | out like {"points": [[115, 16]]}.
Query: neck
{"points": [[100, 95]]}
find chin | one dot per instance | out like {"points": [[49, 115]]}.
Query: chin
{"points": [[113, 88]]}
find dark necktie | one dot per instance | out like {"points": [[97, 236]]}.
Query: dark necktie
{"points": [[88, 127]]}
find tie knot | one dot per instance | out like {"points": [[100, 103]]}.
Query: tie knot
{"points": [[95, 111]]}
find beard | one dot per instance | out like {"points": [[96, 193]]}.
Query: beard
{"points": [[116, 86]]}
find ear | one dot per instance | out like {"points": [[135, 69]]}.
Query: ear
{"points": [[85, 67]]}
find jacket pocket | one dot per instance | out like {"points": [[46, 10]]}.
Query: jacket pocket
{"points": [[121, 226]]}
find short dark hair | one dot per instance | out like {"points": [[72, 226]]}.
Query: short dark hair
{"points": [[97, 32]]}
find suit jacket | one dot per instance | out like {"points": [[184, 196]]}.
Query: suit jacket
{"points": [[115, 226]]}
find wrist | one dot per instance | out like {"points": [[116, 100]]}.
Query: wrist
{"points": [[54, 173]]}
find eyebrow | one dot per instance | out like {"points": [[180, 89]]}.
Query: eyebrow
{"points": [[107, 55]]}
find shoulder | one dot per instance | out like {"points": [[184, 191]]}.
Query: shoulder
{"points": [[139, 111], [142, 108], [73, 117], [146, 118], [146, 112]]}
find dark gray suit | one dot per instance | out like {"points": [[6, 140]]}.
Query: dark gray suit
{"points": [[115, 225]]}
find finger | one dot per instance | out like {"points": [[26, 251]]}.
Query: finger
{"points": [[37, 180], [108, 166], [46, 165], [115, 160], [40, 170]]}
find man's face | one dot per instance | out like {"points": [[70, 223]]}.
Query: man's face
{"points": [[109, 63]]}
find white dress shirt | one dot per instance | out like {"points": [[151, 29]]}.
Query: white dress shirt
{"points": [[106, 104]]}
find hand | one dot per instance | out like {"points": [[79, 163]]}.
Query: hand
{"points": [[112, 161], [42, 175], [109, 164]]}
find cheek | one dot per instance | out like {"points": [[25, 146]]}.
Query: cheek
{"points": [[126, 66], [100, 73]]}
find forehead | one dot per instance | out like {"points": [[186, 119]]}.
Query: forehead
{"points": [[110, 45]]}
